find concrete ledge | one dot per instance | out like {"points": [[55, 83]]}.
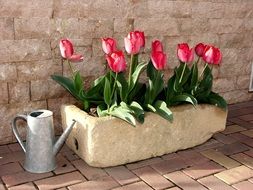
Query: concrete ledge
{"points": [[108, 141]]}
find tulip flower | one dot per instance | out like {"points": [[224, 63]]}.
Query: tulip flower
{"points": [[212, 55], [199, 49], [159, 60], [134, 41], [67, 51], [116, 61], [108, 45], [184, 53], [157, 46]]}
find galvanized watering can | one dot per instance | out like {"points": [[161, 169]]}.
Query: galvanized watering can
{"points": [[40, 148]]}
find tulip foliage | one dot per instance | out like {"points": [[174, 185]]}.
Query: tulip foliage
{"points": [[123, 95]]}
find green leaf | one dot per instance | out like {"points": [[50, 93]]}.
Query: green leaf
{"points": [[101, 110], [123, 114], [122, 86], [194, 76], [217, 100], [151, 108], [151, 70], [107, 92], [163, 110], [138, 111], [78, 81], [185, 98], [135, 76], [182, 75], [68, 84], [170, 92]]}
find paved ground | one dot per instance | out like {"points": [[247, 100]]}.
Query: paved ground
{"points": [[225, 162]]}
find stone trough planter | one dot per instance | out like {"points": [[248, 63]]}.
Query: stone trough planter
{"points": [[108, 141]]}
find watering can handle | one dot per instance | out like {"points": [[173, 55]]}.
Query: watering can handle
{"points": [[15, 130]]}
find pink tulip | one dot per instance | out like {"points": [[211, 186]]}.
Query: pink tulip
{"points": [[108, 45], [159, 60], [134, 41], [199, 49], [157, 46], [116, 61], [184, 53], [67, 51], [212, 55]]}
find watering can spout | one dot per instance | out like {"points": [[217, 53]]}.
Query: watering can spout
{"points": [[63, 137]]}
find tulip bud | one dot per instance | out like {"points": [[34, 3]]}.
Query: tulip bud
{"points": [[199, 49], [134, 41], [108, 45], [159, 60], [67, 51], [157, 46], [184, 53], [212, 55], [116, 61]]}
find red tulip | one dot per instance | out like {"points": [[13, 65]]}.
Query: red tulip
{"points": [[67, 51], [134, 41], [212, 55], [108, 45], [199, 49], [116, 61], [184, 53], [159, 59], [157, 46]]}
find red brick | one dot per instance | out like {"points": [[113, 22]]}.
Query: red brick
{"points": [[10, 168], [170, 156], [15, 147], [151, 177], [248, 117], [63, 165], [250, 152], [135, 186], [240, 112], [23, 177], [224, 138], [26, 186], [143, 163], [11, 157], [242, 123], [233, 129], [192, 157], [184, 181], [71, 156], [244, 185], [213, 183], [244, 159], [202, 170], [234, 148], [60, 181], [168, 166], [4, 149], [89, 172], [243, 139], [122, 175], [102, 184], [212, 143]]}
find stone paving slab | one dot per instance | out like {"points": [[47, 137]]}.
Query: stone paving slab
{"points": [[224, 162]]}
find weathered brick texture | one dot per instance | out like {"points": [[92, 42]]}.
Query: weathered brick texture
{"points": [[30, 34]]}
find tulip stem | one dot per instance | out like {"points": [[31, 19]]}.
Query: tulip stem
{"points": [[71, 68], [203, 70], [181, 77], [114, 85], [130, 69]]}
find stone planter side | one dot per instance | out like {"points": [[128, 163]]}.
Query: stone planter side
{"points": [[108, 141]]}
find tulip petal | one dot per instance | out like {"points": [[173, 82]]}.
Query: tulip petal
{"points": [[66, 48], [76, 58]]}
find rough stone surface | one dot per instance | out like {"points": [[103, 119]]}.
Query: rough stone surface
{"points": [[155, 137], [30, 34]]}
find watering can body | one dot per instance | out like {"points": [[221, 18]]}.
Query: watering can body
{"points": [[40, 147]]}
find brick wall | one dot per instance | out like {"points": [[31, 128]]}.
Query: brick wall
{"points": [[30, 32]]}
